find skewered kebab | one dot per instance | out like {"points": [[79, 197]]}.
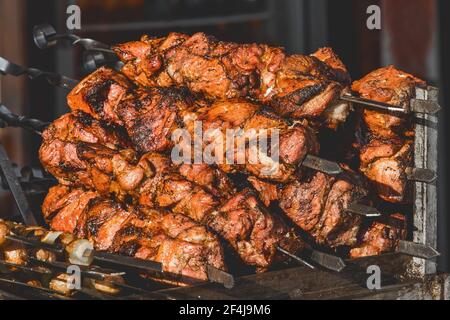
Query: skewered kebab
{"points": [[307, 85], [296, 86], [151, 117], [45, 36], [182, 246], [380, 237], [320, 205], [18, 256], [171, 190], [392, 86], [153, 181], [386, 138], [184, 252]]}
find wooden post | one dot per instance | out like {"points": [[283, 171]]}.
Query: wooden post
{"points": [[425, 204]]}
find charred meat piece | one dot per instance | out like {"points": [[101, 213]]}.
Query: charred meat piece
{"points": [[385, 163], [392, 86], [385, 139], [388, 85], [379, 238], [296, 85], [182, 246], [252, 231], [149, 116], [318, 204], [82, 127]]}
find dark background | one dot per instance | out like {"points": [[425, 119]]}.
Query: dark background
{"points": [[414, 36]]}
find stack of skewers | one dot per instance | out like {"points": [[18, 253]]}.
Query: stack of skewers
{"points": [[120, 188]]}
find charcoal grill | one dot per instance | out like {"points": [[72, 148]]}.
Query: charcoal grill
{"points": [[410, 273]]}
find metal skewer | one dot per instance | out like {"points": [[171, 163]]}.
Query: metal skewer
{"points": [[328, 261], [322, 165], [14, 185], [10, 68], [93, 273], [42, 272], [220, 276], [325, 260], [95, 55], [363, 210], [372, 103], [37, 244], [417, 250], [415, 105], [43, 293], [214, 274], [295, 257], [130, 262], [13, 120], [146, 265]]}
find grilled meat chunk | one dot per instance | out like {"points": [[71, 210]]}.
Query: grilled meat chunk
{"points": [[385, 139], [82, 127], [388, 85], [318, 204], [384, 163], [295, 86], [149, 116], [379, 238], [182, 246]]}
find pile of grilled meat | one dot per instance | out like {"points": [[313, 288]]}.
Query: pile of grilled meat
{"points": [[119, 188]]}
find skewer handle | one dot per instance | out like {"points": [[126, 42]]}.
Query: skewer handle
{"points": [[45, 36], [421, 175], [10, 119]]}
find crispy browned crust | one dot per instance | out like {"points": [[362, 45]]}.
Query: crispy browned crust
{"points": [[380, 238], [387, 149], [317, 203], [152, 181], [182, 246], [224, 70], [151, 117], [388, 85], [384, 163]]}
